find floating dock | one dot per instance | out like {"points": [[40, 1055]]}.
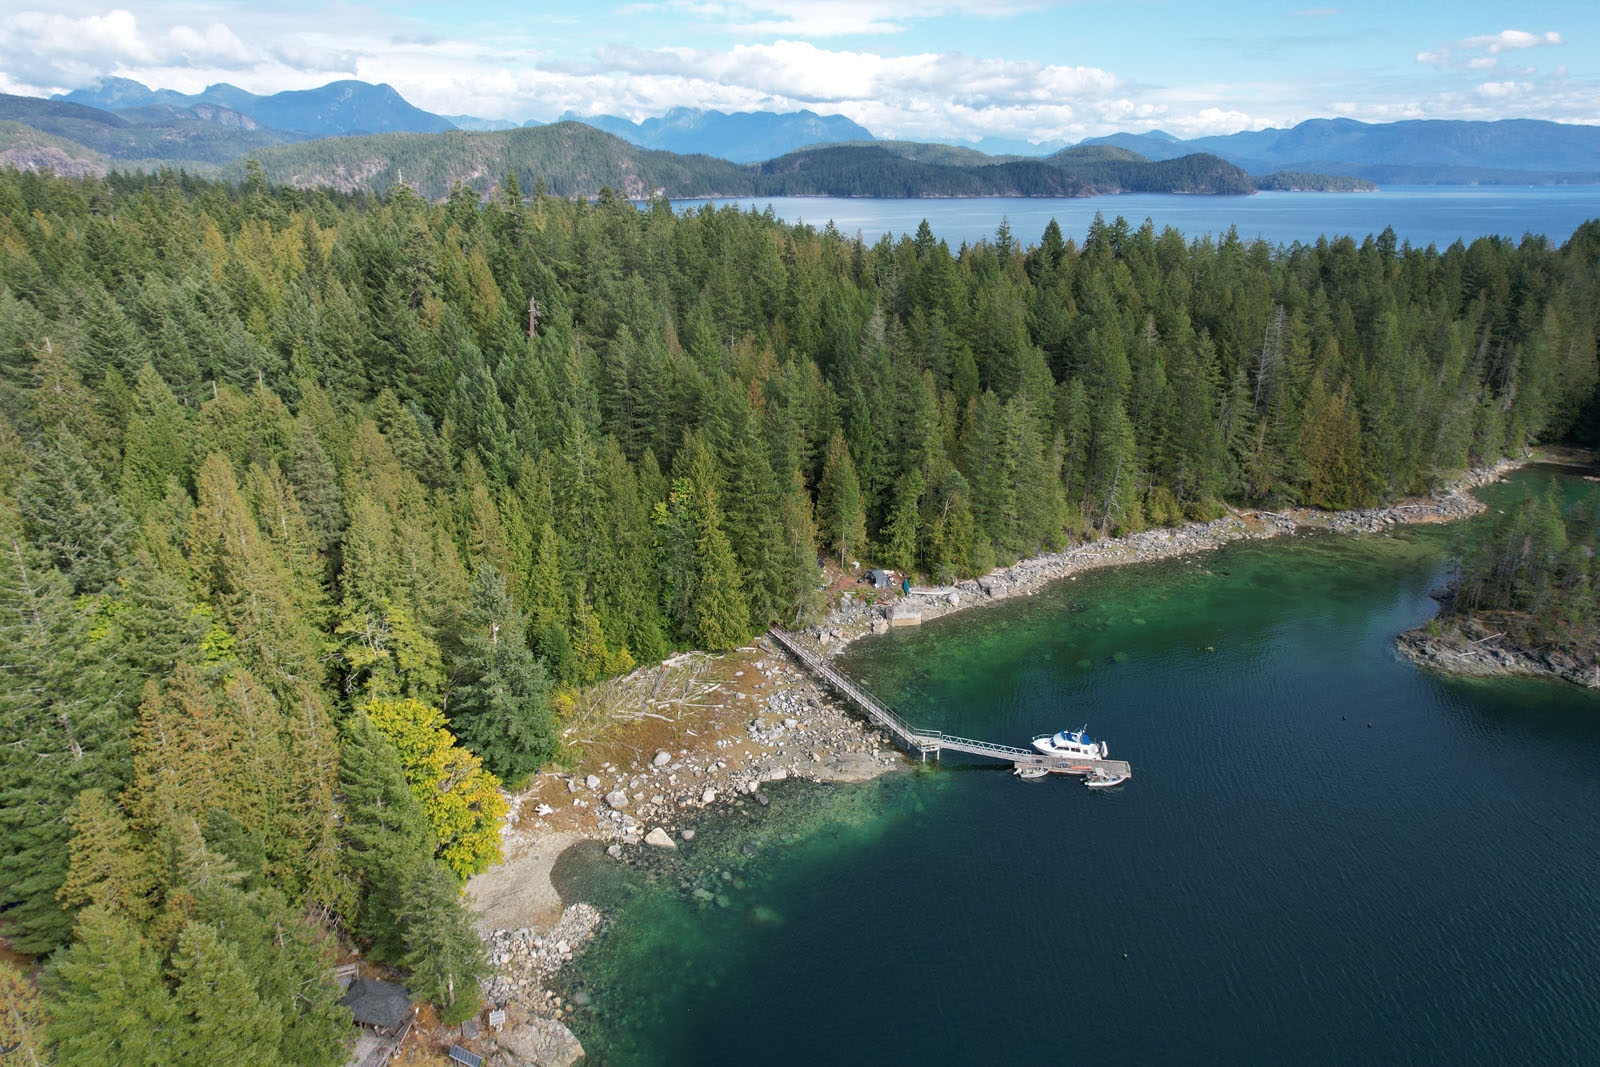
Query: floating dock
{"points": [[927, 743]]}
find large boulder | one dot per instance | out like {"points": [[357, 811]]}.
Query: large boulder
{"points": [[537, 1042], [659, 838]]}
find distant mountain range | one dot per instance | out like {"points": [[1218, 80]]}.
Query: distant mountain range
{"points": [[124, 123], [744, 137], [337, 109], [1416, 152]]}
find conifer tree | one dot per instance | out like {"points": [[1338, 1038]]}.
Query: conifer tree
{"points": [[443, 953], [1331, 447], [65, 731], [316, 486], [220, 1015], [383, 832], [842, 511], [721, 617], [109, 1000], [800, 575], [899, 540], [21, 1017], [282, 957], [109, 867], [1112, 488], [500, 704], [67, 510]]}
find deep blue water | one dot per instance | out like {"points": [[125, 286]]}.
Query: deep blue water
{"points": [[1422, 215], [1326, 855]]}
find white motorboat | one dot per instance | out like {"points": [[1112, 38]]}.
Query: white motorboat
{"points": [[1029, 773], [1071, 743]]}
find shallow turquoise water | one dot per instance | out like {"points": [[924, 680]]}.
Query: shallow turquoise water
{"points": [[1280, 882]]}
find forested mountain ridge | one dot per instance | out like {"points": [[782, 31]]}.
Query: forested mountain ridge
{"points": [[573, 159], [179, 136], [25, 148], [570, 159], [315, 506]]}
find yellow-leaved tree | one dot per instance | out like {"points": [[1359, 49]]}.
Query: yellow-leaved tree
{"points": [[461, 801]]}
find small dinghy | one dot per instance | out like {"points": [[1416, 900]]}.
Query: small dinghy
{"points": [[1103, 780], [1029, 772]]}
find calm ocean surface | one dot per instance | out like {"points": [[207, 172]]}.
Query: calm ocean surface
{"points": [[1422, 215], [1325, 855]]}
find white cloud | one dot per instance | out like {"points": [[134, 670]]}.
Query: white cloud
{"points": [[533, 68], [44, 51], [827, 18], [1472, 52], [921, 95], [1502, 90]]}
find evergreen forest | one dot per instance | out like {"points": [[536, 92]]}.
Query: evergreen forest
{"points": [[315, 509], [1533, 576]]}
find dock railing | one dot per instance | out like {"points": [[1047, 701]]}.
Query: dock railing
{"points": [[931, 742]]}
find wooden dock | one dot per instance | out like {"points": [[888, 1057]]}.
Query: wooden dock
{"points": [[927, 743]]}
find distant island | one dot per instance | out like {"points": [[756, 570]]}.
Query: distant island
{"points": [[571, 159], [1296, 181]]}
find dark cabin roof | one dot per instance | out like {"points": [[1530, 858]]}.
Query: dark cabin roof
{"points": [[374, 1003]]}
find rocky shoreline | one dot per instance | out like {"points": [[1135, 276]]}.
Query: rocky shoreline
{"points": [[698, 732], [854, 620], [755, 718]]}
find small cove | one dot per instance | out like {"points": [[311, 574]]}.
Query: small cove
{"points": [[1280, 881]]}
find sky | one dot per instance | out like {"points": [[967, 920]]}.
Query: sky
{"points": [[941, 70]]}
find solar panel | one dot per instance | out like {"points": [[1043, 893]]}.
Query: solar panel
{"points": [[466, 1057]]}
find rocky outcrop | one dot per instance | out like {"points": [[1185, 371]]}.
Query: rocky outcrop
{"points": [[533, 1041], [1470, 645]]}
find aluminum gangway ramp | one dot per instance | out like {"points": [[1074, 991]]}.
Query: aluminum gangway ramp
{"points": [[931, 742]]}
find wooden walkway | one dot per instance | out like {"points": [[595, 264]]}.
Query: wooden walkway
{"points": [[931, 742]]}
